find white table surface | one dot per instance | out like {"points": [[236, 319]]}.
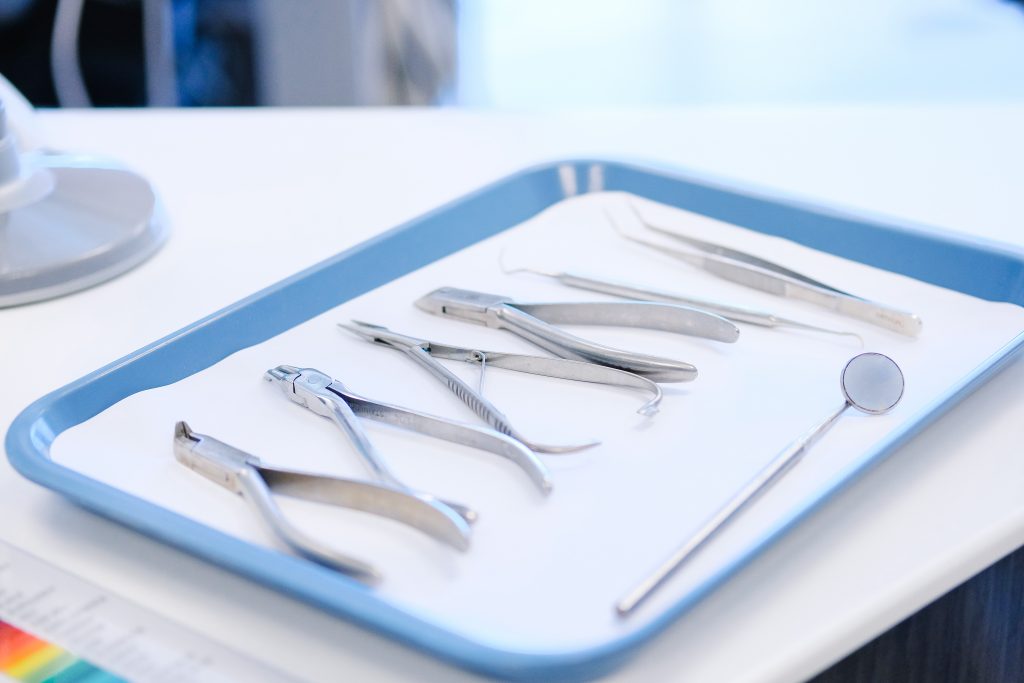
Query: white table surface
{"points": [[255, 196]]}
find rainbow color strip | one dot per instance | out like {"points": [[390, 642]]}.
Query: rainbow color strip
{"points": [[26, 658]]}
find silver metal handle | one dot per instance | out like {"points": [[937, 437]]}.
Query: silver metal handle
{"points": [[644, 294], [756, 486], [465, 393], [861, 309], [765, 280], [257, 495], [567, 345], [644, 314], [734, 313], [830, 298], [454, 432], [408, 507], [578, 371], [735, 255], [341, 414], [482, 407]]}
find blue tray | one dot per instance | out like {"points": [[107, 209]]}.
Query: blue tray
{"points": [[986, 271]]}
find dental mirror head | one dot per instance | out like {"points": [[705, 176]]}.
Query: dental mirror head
{"points": [[872, 383]]}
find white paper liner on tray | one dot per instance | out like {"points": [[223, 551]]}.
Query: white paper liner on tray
{"points": [[543, 574]]}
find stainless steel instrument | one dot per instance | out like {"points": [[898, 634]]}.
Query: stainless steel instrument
{"points": [[737, 314], [425, 353], [329, 398], [246, 475], [871, 382], [536, 323], [763, 275]]}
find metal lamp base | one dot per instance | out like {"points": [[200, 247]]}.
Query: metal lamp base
{"points": [[97, 222]]}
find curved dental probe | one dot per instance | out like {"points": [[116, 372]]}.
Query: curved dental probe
{"points": [[635, 293], [329, 398], [247, 476], [425, 353], [536, 324]]}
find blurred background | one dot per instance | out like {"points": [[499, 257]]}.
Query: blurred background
{"points": [[530, 54]]}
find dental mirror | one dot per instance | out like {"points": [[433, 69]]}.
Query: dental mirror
{"points": [[870, 382]]}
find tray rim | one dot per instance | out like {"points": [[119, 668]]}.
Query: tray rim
{"points": [[34, 429]]}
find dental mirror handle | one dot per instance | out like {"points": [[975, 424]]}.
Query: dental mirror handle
{"points": [[785, 460]]}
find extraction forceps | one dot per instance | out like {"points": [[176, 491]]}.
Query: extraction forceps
{"points": [[737, 314], [764, 275], [245, 475], [536, 324], [426, 352], [329, 398]]}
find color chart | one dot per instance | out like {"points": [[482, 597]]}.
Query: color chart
{"points": [[23, 657], [58, 628]]}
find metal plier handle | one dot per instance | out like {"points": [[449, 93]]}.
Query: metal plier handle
{"points": [[328, 398], [536, 323], [245, 475], [425, 353]]}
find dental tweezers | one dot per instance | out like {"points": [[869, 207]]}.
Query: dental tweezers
{"points": [[329, 398], [764, 275], [425, 353], [536, 324], [247, 476]]}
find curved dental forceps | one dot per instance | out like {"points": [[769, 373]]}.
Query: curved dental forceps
{"points": [[329, 398], [425, 352], [533, 322], [245, 475]]}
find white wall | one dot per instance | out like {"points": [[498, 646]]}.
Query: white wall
{"points": [[555, 53]]}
